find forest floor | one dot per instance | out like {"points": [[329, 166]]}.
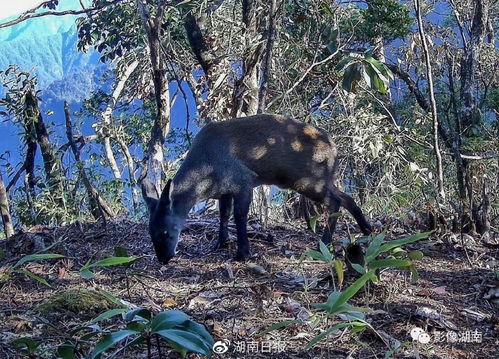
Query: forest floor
{"points": [[236, 301]]}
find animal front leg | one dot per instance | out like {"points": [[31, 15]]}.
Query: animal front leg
{"points": [[242, 203], [225, 206]]}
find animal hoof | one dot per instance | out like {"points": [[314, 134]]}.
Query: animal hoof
{"points": [[241, 257]]}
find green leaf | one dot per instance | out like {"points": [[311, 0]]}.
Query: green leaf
{"points": [[330, 303], [351, 291], [33, 276], [66, 351], [327, 8], [86, 273], [343, 62], [389, 263], [136, 325], [414, 273], [37, 257], [380, 67], [350, 78], [398, 252], [108, 314], [110, 340], [325, 252], [190, 341], [374, 79], [112, 298], [168, 319], [114, 261], [415, 255], [374, 248], [313, 254], [325, 333], [279, 325], [28, 345], [400, 242], [138, 312], [199, 329], [313, 223], [338, 267], [358, 268]]}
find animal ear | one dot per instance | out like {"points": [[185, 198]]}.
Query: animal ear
{"points": [[166, 195], [150, 194]]}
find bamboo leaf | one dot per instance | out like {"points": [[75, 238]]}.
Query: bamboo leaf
{"points": [[37, 257]]}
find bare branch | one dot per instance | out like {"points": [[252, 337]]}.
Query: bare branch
{"points": [[31, 14]]}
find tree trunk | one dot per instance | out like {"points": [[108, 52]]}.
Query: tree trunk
{"points": [[5, 211], [106, 130], [440, 176], [34, 120], [154, 157], [98, 207]]}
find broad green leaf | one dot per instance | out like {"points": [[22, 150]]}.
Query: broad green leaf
{"points": [[400, 242], [389, 263], [108, 314], [313, 254], [110, 340], [66, 351], [199, 329], [168, 319], [380, 67], [190, 341], [351, 77], [27, 344], [138, 312], [113, 261], [325, 252], [375, 79], [37, 257], [325, 333], [279, 325], [343, 62], [33, 276], [136, 325]]}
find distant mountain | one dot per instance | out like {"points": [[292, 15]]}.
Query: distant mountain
{"points": [[48, 46]]}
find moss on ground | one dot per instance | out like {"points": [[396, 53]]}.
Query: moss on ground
{"points": [[76, 302]]}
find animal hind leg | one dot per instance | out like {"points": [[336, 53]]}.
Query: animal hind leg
{"points": [[225, 207], [242, 203]]}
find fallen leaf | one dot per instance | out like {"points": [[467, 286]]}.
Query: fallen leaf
{"points": [[440, 290]]}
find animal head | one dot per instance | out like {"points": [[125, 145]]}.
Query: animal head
{"points": [[164, 225]]}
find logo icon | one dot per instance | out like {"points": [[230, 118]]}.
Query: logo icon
{"points": [[420, 335], [221, 346]]}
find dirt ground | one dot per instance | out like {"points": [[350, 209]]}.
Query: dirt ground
{"points": [[236, 301]]}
